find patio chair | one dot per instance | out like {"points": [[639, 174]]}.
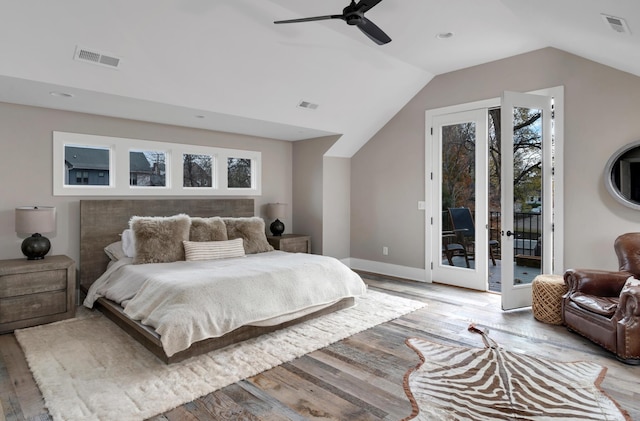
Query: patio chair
{"points": [[464, 227], [451, 248]]}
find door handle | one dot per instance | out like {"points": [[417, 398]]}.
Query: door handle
{"points": [[509, 233]]}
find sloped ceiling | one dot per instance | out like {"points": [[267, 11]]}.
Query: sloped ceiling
{"points": [[223, 65]]}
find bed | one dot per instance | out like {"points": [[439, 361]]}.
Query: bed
{"points": [[102, 222]]}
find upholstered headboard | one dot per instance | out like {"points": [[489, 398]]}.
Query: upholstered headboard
{"points": [[102, 222]]}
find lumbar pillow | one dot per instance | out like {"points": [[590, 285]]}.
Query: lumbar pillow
{"points": [[207, 229], [210, 250], [159, 239], [251, 230]]}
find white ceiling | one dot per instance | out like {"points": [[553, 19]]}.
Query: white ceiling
{"points": [[226, 61]]}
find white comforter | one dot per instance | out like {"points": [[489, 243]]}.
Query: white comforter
{"points": [[186, 302]]}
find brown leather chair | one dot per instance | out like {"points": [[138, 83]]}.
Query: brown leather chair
{"points": [[599, 306]]}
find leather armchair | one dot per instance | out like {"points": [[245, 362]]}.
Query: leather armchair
{"points": [[605, 308]]}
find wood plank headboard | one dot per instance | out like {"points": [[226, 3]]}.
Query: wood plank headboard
{"points": [[102, 222]]}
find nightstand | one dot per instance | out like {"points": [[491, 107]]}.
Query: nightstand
{"points": [[293, 243], [34, 292]]}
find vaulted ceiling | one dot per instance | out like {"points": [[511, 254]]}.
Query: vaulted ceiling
{"points": [[223, 65]]}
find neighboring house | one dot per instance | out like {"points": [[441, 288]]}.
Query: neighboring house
{"points": [[86, 166], [90, 166], [140, 172]]}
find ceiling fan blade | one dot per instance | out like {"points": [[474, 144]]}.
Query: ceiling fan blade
{"points": [[310, 19], [364, 5], [376, 34]]}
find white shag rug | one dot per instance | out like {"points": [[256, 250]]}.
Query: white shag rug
{"points": [[89, 369]]}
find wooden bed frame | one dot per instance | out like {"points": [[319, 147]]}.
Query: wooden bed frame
{"points": [[102, 222]]}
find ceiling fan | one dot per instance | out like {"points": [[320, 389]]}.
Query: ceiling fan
{"points": [[353, 14]]}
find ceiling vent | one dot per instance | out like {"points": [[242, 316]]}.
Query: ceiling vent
{"points": [[96, 57], [308, 105], [617, 24]]}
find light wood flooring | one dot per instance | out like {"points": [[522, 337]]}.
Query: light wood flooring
{"points": [[359, 378]]}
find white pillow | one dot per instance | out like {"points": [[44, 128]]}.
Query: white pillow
{"points": [[115, 251], [129, 243], [210, 250]]}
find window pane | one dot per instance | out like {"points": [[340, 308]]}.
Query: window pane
{"points": [[239, 173], [197, 170], [147, 168], [83, 164]]}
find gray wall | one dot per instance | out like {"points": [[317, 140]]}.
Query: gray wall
{"points": [[308, 184], [26, 166], [602, 106], [336, 203]]}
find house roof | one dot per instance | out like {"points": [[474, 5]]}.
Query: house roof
{"points": [[86, 158], [223, 65]]}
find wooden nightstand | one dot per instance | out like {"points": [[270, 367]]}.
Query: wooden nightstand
{"points": [[293, 243], [34, 292]]}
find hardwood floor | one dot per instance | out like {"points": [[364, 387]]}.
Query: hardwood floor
{"points": [[359, 378]]}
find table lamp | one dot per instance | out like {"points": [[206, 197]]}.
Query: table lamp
{"points": [[276, 211], [35, 220]]}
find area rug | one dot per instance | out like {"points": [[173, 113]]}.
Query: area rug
{"points": [[490, 383], [89, 369]]}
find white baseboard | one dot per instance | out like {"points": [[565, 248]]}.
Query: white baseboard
{"points": [[388, 269]]}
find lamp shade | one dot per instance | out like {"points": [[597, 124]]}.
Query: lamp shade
{"points": [[276, 210], [35, 219]]}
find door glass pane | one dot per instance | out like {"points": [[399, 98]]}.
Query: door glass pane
{"points": [[495, 201], [527, 193], [458, 194]]}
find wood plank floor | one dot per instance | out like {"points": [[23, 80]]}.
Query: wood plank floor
{"points": [[359, 378]]}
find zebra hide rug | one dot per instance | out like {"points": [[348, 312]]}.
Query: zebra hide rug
{"points": [[476, 384]]}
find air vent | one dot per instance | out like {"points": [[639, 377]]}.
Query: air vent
{"points": [[308, 105], [96, 57], [617, 24]]}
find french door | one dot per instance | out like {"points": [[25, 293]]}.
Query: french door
{"points": [[526, 194], [459, 177], [493, 158]]}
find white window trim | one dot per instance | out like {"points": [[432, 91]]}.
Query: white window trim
{"points": [[119, 149]]}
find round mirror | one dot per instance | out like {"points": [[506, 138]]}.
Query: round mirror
{"points": [[622, 175]]}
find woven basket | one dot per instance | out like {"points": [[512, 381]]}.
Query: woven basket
{"points": [[547, 292]]}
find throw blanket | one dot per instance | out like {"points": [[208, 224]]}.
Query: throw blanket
{"points": [[455, 383], [186, 302]]}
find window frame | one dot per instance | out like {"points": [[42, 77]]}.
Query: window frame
{"points": [[119, 168]]}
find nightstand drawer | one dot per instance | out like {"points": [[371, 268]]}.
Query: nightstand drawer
{"points": [[292, 243], [32, 306], [297, 245], [31, 283]]}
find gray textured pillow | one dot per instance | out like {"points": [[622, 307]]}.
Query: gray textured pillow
{"points": [[115, 251], [251, 230], [207, 229], [159, 239]]}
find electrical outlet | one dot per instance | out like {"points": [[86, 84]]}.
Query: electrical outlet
{"points": [[385, 250]]}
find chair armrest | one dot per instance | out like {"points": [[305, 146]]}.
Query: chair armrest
{"points": [[595, 282], [629, 307]]}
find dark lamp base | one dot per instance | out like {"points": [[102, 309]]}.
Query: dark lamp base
{"points": [[36, 247], [277, 228]]}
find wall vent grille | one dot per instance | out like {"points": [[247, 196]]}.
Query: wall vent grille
{"points": [[308, 105], [617, 24], [95, 57]]}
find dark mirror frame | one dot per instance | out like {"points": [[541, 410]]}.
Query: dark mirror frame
{"points": [[611, 179]]}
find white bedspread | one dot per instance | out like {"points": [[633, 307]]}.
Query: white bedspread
{"points": [[186, 302]]}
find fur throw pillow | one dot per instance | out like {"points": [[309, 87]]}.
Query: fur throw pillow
{"points": [[251, 230], [207, 229], [159, 239]]}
